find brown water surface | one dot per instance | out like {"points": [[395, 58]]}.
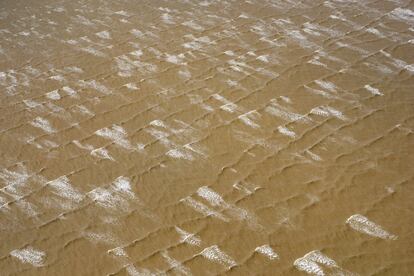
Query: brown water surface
{"points": [[206, 137]]}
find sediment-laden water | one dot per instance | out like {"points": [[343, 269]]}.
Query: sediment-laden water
{"points": [[206, 137]]}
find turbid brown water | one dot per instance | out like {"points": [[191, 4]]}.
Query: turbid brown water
{"points": [[206, 137]]}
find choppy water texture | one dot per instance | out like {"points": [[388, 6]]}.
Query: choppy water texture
{"points": [[206, 137]]}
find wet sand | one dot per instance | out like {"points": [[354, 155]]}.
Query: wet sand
{"points": [[206, 137]]}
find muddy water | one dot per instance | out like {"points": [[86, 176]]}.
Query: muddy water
{"points": [[206, 137]]}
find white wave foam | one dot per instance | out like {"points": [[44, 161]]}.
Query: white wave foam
{"points": [[211, 196], [133, 271], [322, 93], [364, 225], [326, 85], [247, 188], [328, 111], [214, 199], [83, 109], [214, 253], [131, 86], [403, 14], [373, 90], [167, 19], [106, 238], [92, 51], [69, 91], [202, 208], [87, 147], [176, 265], [267, 251], [63, 188], [189, 238], [29, 255], [136, 33], [15, 180], [264, 58], [28, 208], [117, 134], [310, 263], [32, 104], [180, 154], [247, 118], [158, 123], [193, 25], [102, 153], [118, 251], [93, 84], [43, 124], [176, 59], [314, 156], [115, 197], [284, 113], [122, 12], [104, 35], [285, 131], [230, 107], [53, 95], [123, 184]]}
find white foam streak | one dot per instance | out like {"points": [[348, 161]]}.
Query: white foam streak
{"points": [[248, 118], [280, 111], [326, 111], [63, 188], [314, 156], [104, 35], [53, 95], [326, 85], [131, 86], [214, 253], [176, 265], [180, 154], [188, 238], [93, 84], [403, 14], [211, 196], [83, 109], [193, 25], [176, 59], [14, 180], [309, 267], [267, 251], [69, 91], [122, 184], [285, 131], [364, 225], [116, 196], [167, 19], [373, 90], [230, 107], [43, 124], [202, 208], [214, 199], [29, 255], [102, 153], [310, 263], [117, 134]]}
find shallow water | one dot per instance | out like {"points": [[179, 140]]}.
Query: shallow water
{"points": [[206, 137]]}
